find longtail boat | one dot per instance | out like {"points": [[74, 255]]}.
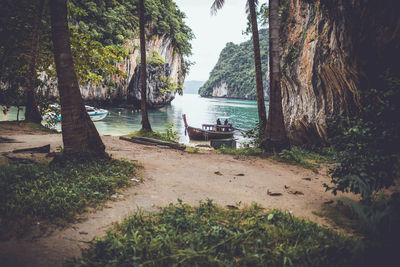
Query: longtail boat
{"points": [[209, 131]]}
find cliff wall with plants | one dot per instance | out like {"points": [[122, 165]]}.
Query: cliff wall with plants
{"points": [[332, 52], [234, 76], [115, 23]]}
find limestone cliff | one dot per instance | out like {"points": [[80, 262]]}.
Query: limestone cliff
{"points": [[332, 49], [126, 91], [221, 90], [234, 76]]}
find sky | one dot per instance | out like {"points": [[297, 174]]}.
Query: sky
{"points": [[212, 32]]}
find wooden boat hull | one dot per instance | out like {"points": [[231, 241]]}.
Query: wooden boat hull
{"points": [[200, 134], [209, 132]]}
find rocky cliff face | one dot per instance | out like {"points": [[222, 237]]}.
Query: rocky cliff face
{"points": [[234, 76], [158, 94], [223, 90], [220, 91], [332, 49], [126, 91]]}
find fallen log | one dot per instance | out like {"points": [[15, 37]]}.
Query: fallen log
{"points": [[136, 141], [152, 142], [39, 149]]}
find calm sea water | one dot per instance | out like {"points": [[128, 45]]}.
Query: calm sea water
{"points": [[198, 110]]}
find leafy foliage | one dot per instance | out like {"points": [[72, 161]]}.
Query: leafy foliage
{"points": [[262, 18], [254, 135], [208, 235], [57, 191], [367, 151], [170, 135], [235, 67], [93, 61], [16, 27], [374, 219], [108, 22], [112, 22]]}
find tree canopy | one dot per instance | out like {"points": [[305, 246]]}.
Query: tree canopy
{"points": [[111, 22]]}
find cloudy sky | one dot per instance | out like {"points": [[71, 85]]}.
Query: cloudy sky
{"points": [[212, 32]]}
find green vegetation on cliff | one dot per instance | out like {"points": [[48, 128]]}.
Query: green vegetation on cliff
{"points": [[99, 30], [112, 22], [235, 67]]}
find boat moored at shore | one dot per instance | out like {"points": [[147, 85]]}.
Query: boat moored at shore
{"points": [[210, 131]]}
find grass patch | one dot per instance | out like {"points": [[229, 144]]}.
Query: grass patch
{"points": [[208, 235], [168, 137], [56, 192], [192, 149], [246, 151], [303, 158]]}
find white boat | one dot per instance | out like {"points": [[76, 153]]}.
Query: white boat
{"points": [[95, 114]]}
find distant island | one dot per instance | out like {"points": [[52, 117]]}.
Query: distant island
{"points": [[233, 76], [192, 87]]}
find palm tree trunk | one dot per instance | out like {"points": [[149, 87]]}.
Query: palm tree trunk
{"points": [[262, 116], [32, 112], [143, 73], [275, 134], [78, 131]]}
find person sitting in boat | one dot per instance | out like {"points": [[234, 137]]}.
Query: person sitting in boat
{"points": [[218, 121], [226, 122]]}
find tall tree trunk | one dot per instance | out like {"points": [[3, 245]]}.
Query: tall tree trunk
{"points": [[275, 134], [32, 112], [262, 116], [143, 72], [78, 131]]}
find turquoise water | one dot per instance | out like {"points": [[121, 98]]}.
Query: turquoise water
{"points": [[198, 110]]}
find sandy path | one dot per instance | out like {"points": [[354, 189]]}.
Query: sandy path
{"points": [[169, 175]]}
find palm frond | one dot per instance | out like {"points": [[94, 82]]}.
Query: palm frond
{"points": [[217, 5]]}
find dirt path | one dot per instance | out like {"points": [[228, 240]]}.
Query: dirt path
{"points": [[168, 175]]}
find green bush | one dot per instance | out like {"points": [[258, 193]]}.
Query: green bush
{"points": [[170, 135], [254, 135], [57, 191], [207, 235], [367, 146]]}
